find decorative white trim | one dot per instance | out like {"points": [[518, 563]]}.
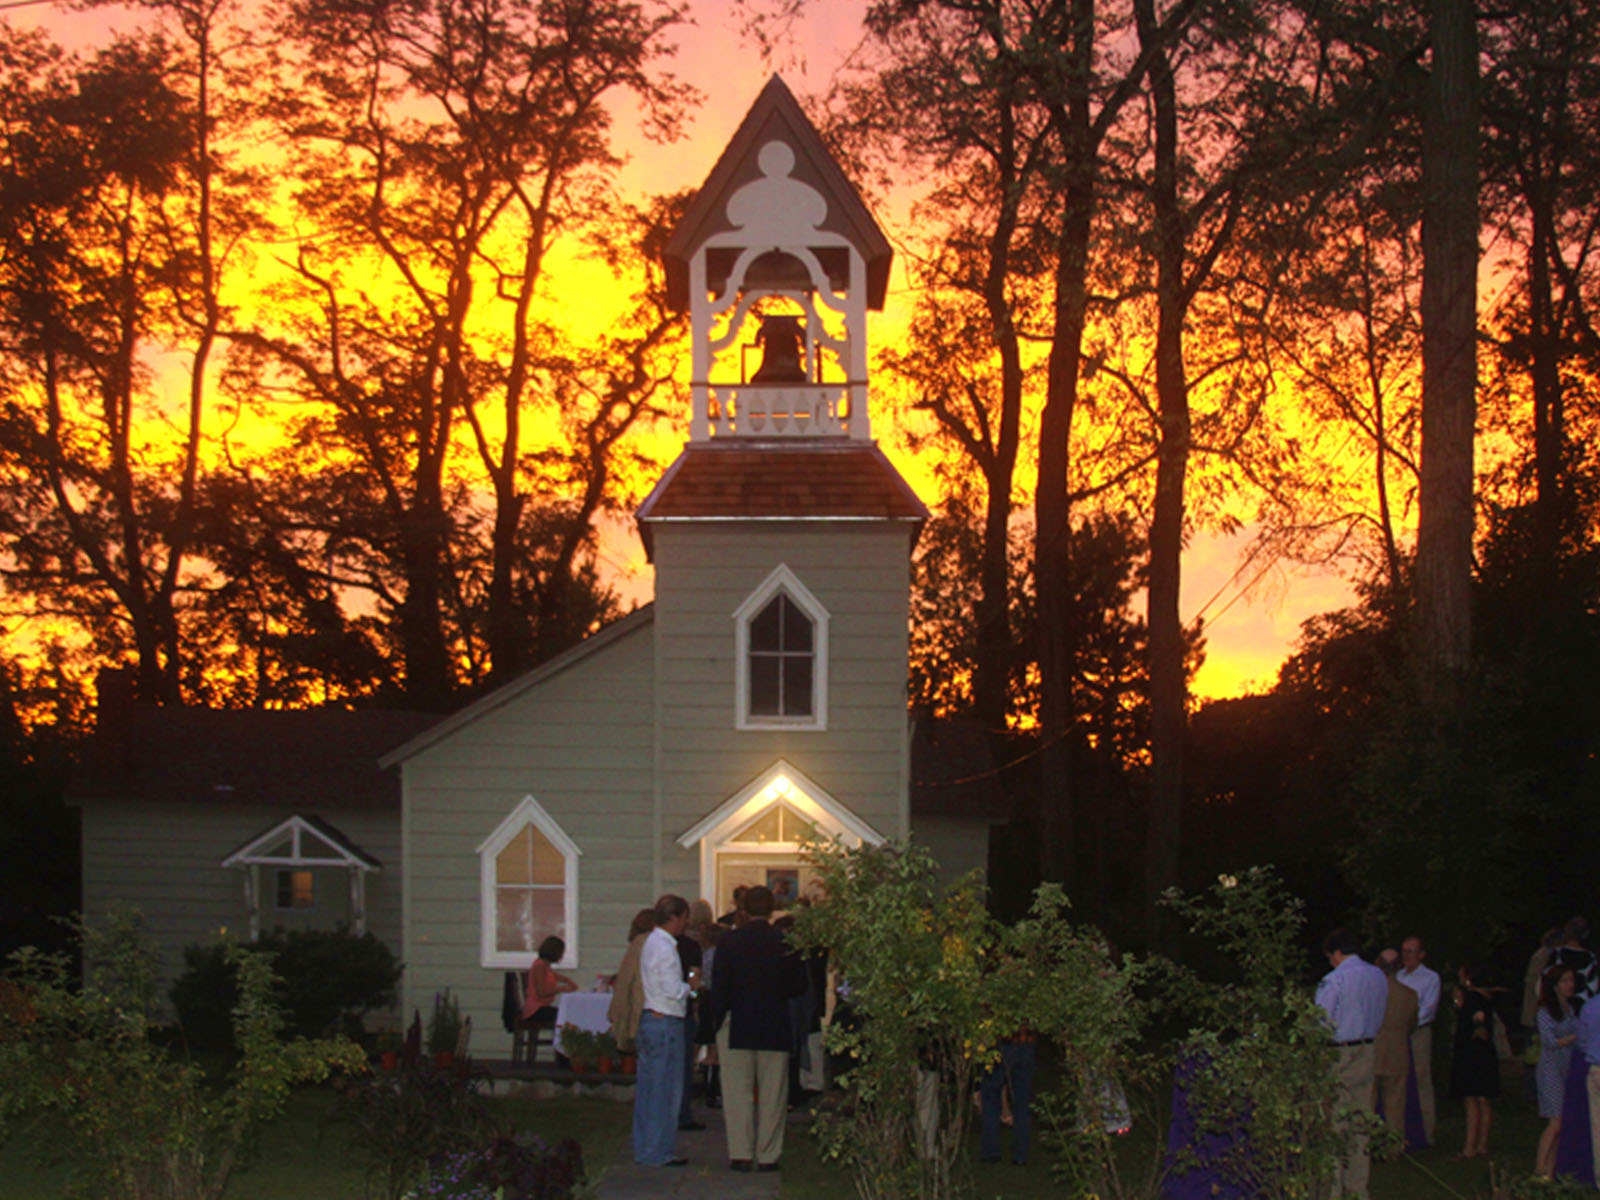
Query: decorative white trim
{"points": [[783, 580], [780, 783], [249, 858], [528, 812]]}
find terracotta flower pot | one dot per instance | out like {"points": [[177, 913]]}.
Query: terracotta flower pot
{"points": [[443, 1059], [605, 1066], [630, 1064], [389, 1060]]}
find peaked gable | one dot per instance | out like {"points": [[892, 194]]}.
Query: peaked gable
{"points": [[776, 115]]}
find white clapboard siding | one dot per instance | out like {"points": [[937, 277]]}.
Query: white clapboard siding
{"points": [[581, 743], [164, 859]]}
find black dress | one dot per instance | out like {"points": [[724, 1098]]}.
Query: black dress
{"points": [[1474, 1064]]}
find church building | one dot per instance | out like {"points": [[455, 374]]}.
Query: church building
{"points": [[761, 698]]}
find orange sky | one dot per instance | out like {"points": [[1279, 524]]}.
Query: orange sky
{"points": [[1252, 616]]}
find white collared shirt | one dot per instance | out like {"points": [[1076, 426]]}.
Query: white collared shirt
{"points": [[1424, 981], [661, 973]]}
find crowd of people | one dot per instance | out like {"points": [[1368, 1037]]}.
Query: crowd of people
{"points": [[725, 1005], [724, 999], [1382, 1015]]}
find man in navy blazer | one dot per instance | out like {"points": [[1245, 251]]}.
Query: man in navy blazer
{"points": [[752, 978]]}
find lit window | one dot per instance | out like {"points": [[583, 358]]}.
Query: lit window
{"points": [[529, 879], [781, 661], [781, 636], [296, 889]]}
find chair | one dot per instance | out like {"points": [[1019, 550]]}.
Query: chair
{"points": [[528, 1032]]}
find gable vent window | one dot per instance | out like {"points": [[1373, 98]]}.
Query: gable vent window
{"points": [[781, 656]]}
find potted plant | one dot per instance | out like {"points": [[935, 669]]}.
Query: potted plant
{"points": [[444, 1028], [606, 1052], [581, 1046], [388, 1047]]}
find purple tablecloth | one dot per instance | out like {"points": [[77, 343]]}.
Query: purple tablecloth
{"points": [[1574, 1156], [1206, 1178]]}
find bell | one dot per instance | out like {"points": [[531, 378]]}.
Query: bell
{"points": [[780, 339]]}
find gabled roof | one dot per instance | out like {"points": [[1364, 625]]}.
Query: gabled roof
{"points": [[314, 843], [780, 481], [506, 693], [776, 114], [306, 758]]}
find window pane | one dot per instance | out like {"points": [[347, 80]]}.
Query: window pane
{"points": [[548, 865], [763, 685], [514, 863], [796, 687], [764, 629], [796, 628], [549, 915], [765, 828], [296, 889], [795, 827], [513, 924]]}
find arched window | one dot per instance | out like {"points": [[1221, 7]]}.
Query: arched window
{"points": [[781, 651], [529, 888]]}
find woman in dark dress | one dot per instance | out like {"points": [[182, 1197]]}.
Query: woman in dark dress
{"points": [[1475, 1065]]}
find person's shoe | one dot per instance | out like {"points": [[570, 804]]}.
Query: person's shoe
{"points": [[676, 1162], [740, 1164], [691, 1126], [772, 1166]]}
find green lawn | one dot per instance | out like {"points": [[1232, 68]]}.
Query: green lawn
{"points": [[302, 1156]]}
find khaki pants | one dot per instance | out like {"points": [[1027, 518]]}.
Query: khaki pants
{"points": [[1393, 1090], [755, 1099], [1354, 1074], [1422, 1062]]}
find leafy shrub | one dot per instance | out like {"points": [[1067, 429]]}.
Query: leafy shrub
{"points": [[399, 1122], [330, 979], [134, 1122]]}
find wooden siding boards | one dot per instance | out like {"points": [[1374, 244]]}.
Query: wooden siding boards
{"points": [[859, 572], [165, 860], [580, 742]]}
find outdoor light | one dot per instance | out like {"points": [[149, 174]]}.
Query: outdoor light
{"points": [[780, 339]]}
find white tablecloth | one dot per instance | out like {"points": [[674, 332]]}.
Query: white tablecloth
{"points": [[586, 1010]]}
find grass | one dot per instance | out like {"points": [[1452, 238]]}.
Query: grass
{"points": [[303, 1156]]}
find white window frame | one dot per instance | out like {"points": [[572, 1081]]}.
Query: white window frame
{"points": [[528, 812], [786, 581]]}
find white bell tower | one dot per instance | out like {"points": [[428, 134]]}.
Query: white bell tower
{"points": [[778, 262]]}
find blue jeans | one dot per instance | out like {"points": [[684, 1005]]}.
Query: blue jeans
{"points": [[658, 1090], [1016, 1067]]}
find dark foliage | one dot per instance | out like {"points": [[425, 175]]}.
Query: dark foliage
{"points": [[330, 980], [399, 1122], [528, 1169]]}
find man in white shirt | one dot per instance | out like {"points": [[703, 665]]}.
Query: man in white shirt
{"points": [[1353, 995], [658, 1088], [1424, 981]]}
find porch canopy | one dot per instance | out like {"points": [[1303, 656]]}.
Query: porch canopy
{"points": [[303, 842]]}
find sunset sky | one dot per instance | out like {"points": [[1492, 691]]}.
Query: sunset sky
{"points": [[1252, 612]]}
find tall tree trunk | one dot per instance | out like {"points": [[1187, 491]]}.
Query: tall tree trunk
{"points": [[1449, 357], [1052, 492], [1168, 685]]}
